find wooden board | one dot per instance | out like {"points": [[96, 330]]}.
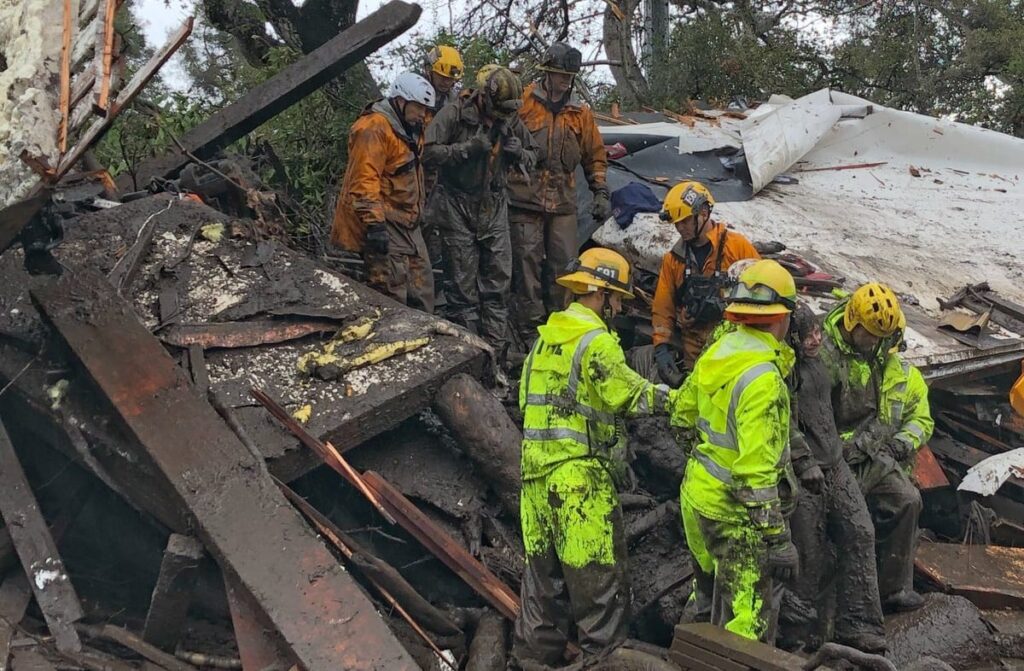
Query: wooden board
{"points": [[37, 550], [753, 654], [237, 510], [286, 88], [927, 473], [990, 576]]}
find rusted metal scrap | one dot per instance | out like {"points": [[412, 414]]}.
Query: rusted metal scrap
{"points": [[198, 463], [226, 335]]}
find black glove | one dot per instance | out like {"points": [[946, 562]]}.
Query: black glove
{"points": [[783, 562], [901, 450], [812, 479], [668, 371], [602, 207], [376, 239], [513, 147], [475, 146]]}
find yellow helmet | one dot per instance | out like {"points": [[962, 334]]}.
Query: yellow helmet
{"points": [[445, 61], [598, 268], [875, 307], [684, 199], [765, 288], [483, 73]]}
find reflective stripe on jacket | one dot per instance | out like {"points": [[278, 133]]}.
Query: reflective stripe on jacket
{"points": [[738, 400], [904, 402], [565, 139], [383, 178], [574, 387]]}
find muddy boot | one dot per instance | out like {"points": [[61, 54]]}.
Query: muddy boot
{"points": [[874, 644], [903, 600]]}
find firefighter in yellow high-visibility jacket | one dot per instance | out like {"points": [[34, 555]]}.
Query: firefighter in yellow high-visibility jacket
{"points": [[738, 478]]}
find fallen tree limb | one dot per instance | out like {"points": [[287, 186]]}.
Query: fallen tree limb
{"points": [[109, 632]]}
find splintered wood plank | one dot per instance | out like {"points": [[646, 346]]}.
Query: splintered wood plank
{"points": [[37, 550], [234, 506], [990, 576]]}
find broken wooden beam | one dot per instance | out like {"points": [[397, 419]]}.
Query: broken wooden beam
{"points": [[927, 473], [729, 649], [15, 595], [168, 607], [259, 646], [235, 508], [987, 575], [444, 547], [37, 550], [121, 636], [286, 88]]}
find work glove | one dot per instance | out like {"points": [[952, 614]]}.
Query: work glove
{"points": [[474, 146], [901, 450], [783, 562], [377, 239], [513, 147], [813, 479], [602, 207], [668, 371]]}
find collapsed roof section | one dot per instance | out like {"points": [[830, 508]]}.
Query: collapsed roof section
{"points": [[925, 205]]}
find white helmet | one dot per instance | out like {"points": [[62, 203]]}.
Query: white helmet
{"points": [[414, 88]]}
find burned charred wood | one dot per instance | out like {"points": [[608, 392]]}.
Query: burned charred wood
{"points": [[486, 434], [15, 595], [30, 660], [37, 550], [200, 464], [172, 595], [286, 88], [259, 646], [986, 575], [127, 266], [243, 334], [490, 641]]}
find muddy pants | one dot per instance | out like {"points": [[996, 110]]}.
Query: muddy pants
{"points": [[839, 518], [478, 252], [744, 599], [895, 506], [403, 273], [542, 246], [576, 575]]}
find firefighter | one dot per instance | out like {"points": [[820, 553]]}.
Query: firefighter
{"points": [[575, 390], [881, 410], [443, 68], [831, 511], [472, 144], [382, 194], [739, 481], [693, 277], [542, 205]]}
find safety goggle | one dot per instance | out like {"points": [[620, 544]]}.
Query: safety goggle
{"points": [[759, 294]]}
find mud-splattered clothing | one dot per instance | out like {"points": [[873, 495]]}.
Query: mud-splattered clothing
{"points": [[575, 387], [876, 402], [675, 279], [469, 206], [738, 479], [838, 517], [404, 272]]}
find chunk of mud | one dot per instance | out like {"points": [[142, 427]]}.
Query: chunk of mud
{"points": [[947, 627], [659, 457]]}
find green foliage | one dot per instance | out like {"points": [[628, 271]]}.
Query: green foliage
{"points": [[476, 53]]}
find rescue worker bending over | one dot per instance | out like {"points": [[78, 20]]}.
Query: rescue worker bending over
{"points": [[575, 390], [443, 67], [472, 144], [382, 194], [693, 277], [830, 510], [881, 409], [542, 206], [738, 477]]}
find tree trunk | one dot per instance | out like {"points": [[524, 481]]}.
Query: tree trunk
{"points": [[630, 82]]}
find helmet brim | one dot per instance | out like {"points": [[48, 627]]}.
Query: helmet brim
{"points": [[580, 283], [754, 309]]}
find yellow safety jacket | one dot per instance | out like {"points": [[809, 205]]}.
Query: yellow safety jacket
{"points": [[903, 402], [574, 389], [738, 400]]}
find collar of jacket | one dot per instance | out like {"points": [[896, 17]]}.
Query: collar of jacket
{"points": [[587, 314], [537, 91], [715, 236], [385, 108]]}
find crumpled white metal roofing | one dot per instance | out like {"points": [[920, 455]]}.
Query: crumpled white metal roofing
{"points": [[960, 221]]}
